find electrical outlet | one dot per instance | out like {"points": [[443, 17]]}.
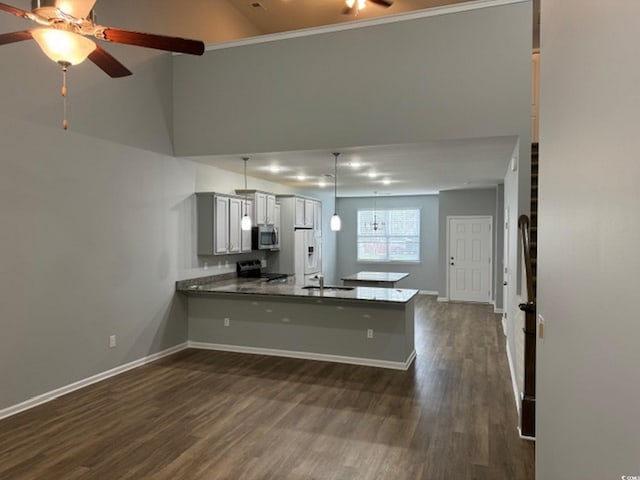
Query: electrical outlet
{"points": [[226, 322], [112, 341], [369, 332]]}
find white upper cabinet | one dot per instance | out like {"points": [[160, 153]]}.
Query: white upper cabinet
{"points": [[270, 209], [299, 209], [219, 220], [235, 215], [260, 212], [221, 225], [263, 206]]}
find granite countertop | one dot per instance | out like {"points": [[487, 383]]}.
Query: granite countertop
{"points": [[243, 286], [376, 276]]}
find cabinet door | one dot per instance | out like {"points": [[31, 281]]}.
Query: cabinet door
{"points": [[317, 216], [276, 225], [205, 224], [261, 209], [221, 225], [235, 214], [299, 210], [270, 207], [245, 243], [308, 213]]}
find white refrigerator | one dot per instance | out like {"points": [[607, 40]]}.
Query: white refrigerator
{"points": [[307, 256]]}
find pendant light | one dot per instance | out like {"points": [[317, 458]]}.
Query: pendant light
{"points": [[246, 223], [374, 226], [336, 223]]}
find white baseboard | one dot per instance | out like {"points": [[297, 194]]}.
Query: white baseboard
{"points": [[428, 292], [369, 362], [514, 382], [504, 324], [58, 392], [443, 299]]}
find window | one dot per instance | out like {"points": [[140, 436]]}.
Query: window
{"points": [[389, 235]]}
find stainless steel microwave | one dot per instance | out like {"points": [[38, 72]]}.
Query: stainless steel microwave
{"points": [[265, 237]]}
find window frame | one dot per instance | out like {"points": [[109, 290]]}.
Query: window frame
{"points": [[387, 261]]}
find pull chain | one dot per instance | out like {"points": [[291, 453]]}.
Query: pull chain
{"points": [[65, 66]]}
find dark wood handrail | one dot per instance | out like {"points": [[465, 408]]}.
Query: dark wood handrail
{"points": [[528, 397], [523, 225]]}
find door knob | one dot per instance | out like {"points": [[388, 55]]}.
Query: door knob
{"points": [[451, 263], [505, 284]]}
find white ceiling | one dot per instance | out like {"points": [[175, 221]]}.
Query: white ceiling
{"points": [[410, 169], [272, 16]]}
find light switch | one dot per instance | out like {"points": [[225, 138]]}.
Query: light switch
{"points": [[540, 327]]}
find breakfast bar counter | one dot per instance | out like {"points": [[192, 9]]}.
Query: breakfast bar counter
{"points": [[358, 325]]}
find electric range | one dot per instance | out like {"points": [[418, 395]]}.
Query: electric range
{"points": [[253, 269]]}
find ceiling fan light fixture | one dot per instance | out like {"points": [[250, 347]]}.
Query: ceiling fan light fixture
{"points": [[359, 4], [62, 46]]}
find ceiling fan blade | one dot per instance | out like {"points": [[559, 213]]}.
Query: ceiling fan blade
{"points": [[14, 11], [108, 63], [348, 10], [13, 37], [382, 3], [149, 40]]}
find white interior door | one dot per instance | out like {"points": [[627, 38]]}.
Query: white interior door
{"points": [[470, 262]]}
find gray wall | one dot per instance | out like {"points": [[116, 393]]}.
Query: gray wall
{"points": [[97, 222], [423, 276], [450, 76], [588, 262], [464, 202]]}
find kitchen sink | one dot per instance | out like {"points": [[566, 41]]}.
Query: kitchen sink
{"points": [[327, 287]]}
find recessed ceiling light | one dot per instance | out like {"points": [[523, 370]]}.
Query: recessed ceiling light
{"points": [[301, 178], [355, 164], [372, 174], [386, 181], [274, 168], [322, 184]]}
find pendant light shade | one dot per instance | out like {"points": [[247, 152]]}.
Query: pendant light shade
{"points": [[336, 223], [245, 223]]}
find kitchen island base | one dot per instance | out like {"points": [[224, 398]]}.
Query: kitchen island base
{"points": [[317, 328]]}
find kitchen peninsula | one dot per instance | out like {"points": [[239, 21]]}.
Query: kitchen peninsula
{"points": [[359, 325]]}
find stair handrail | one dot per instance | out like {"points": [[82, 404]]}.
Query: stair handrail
{"points": [[528, 396], [523, 226]]}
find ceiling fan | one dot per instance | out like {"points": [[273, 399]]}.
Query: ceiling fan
{"points": [[354, 6], [63, 28]]}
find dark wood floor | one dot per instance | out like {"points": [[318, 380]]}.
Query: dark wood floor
{"points": [[210, 415]]}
